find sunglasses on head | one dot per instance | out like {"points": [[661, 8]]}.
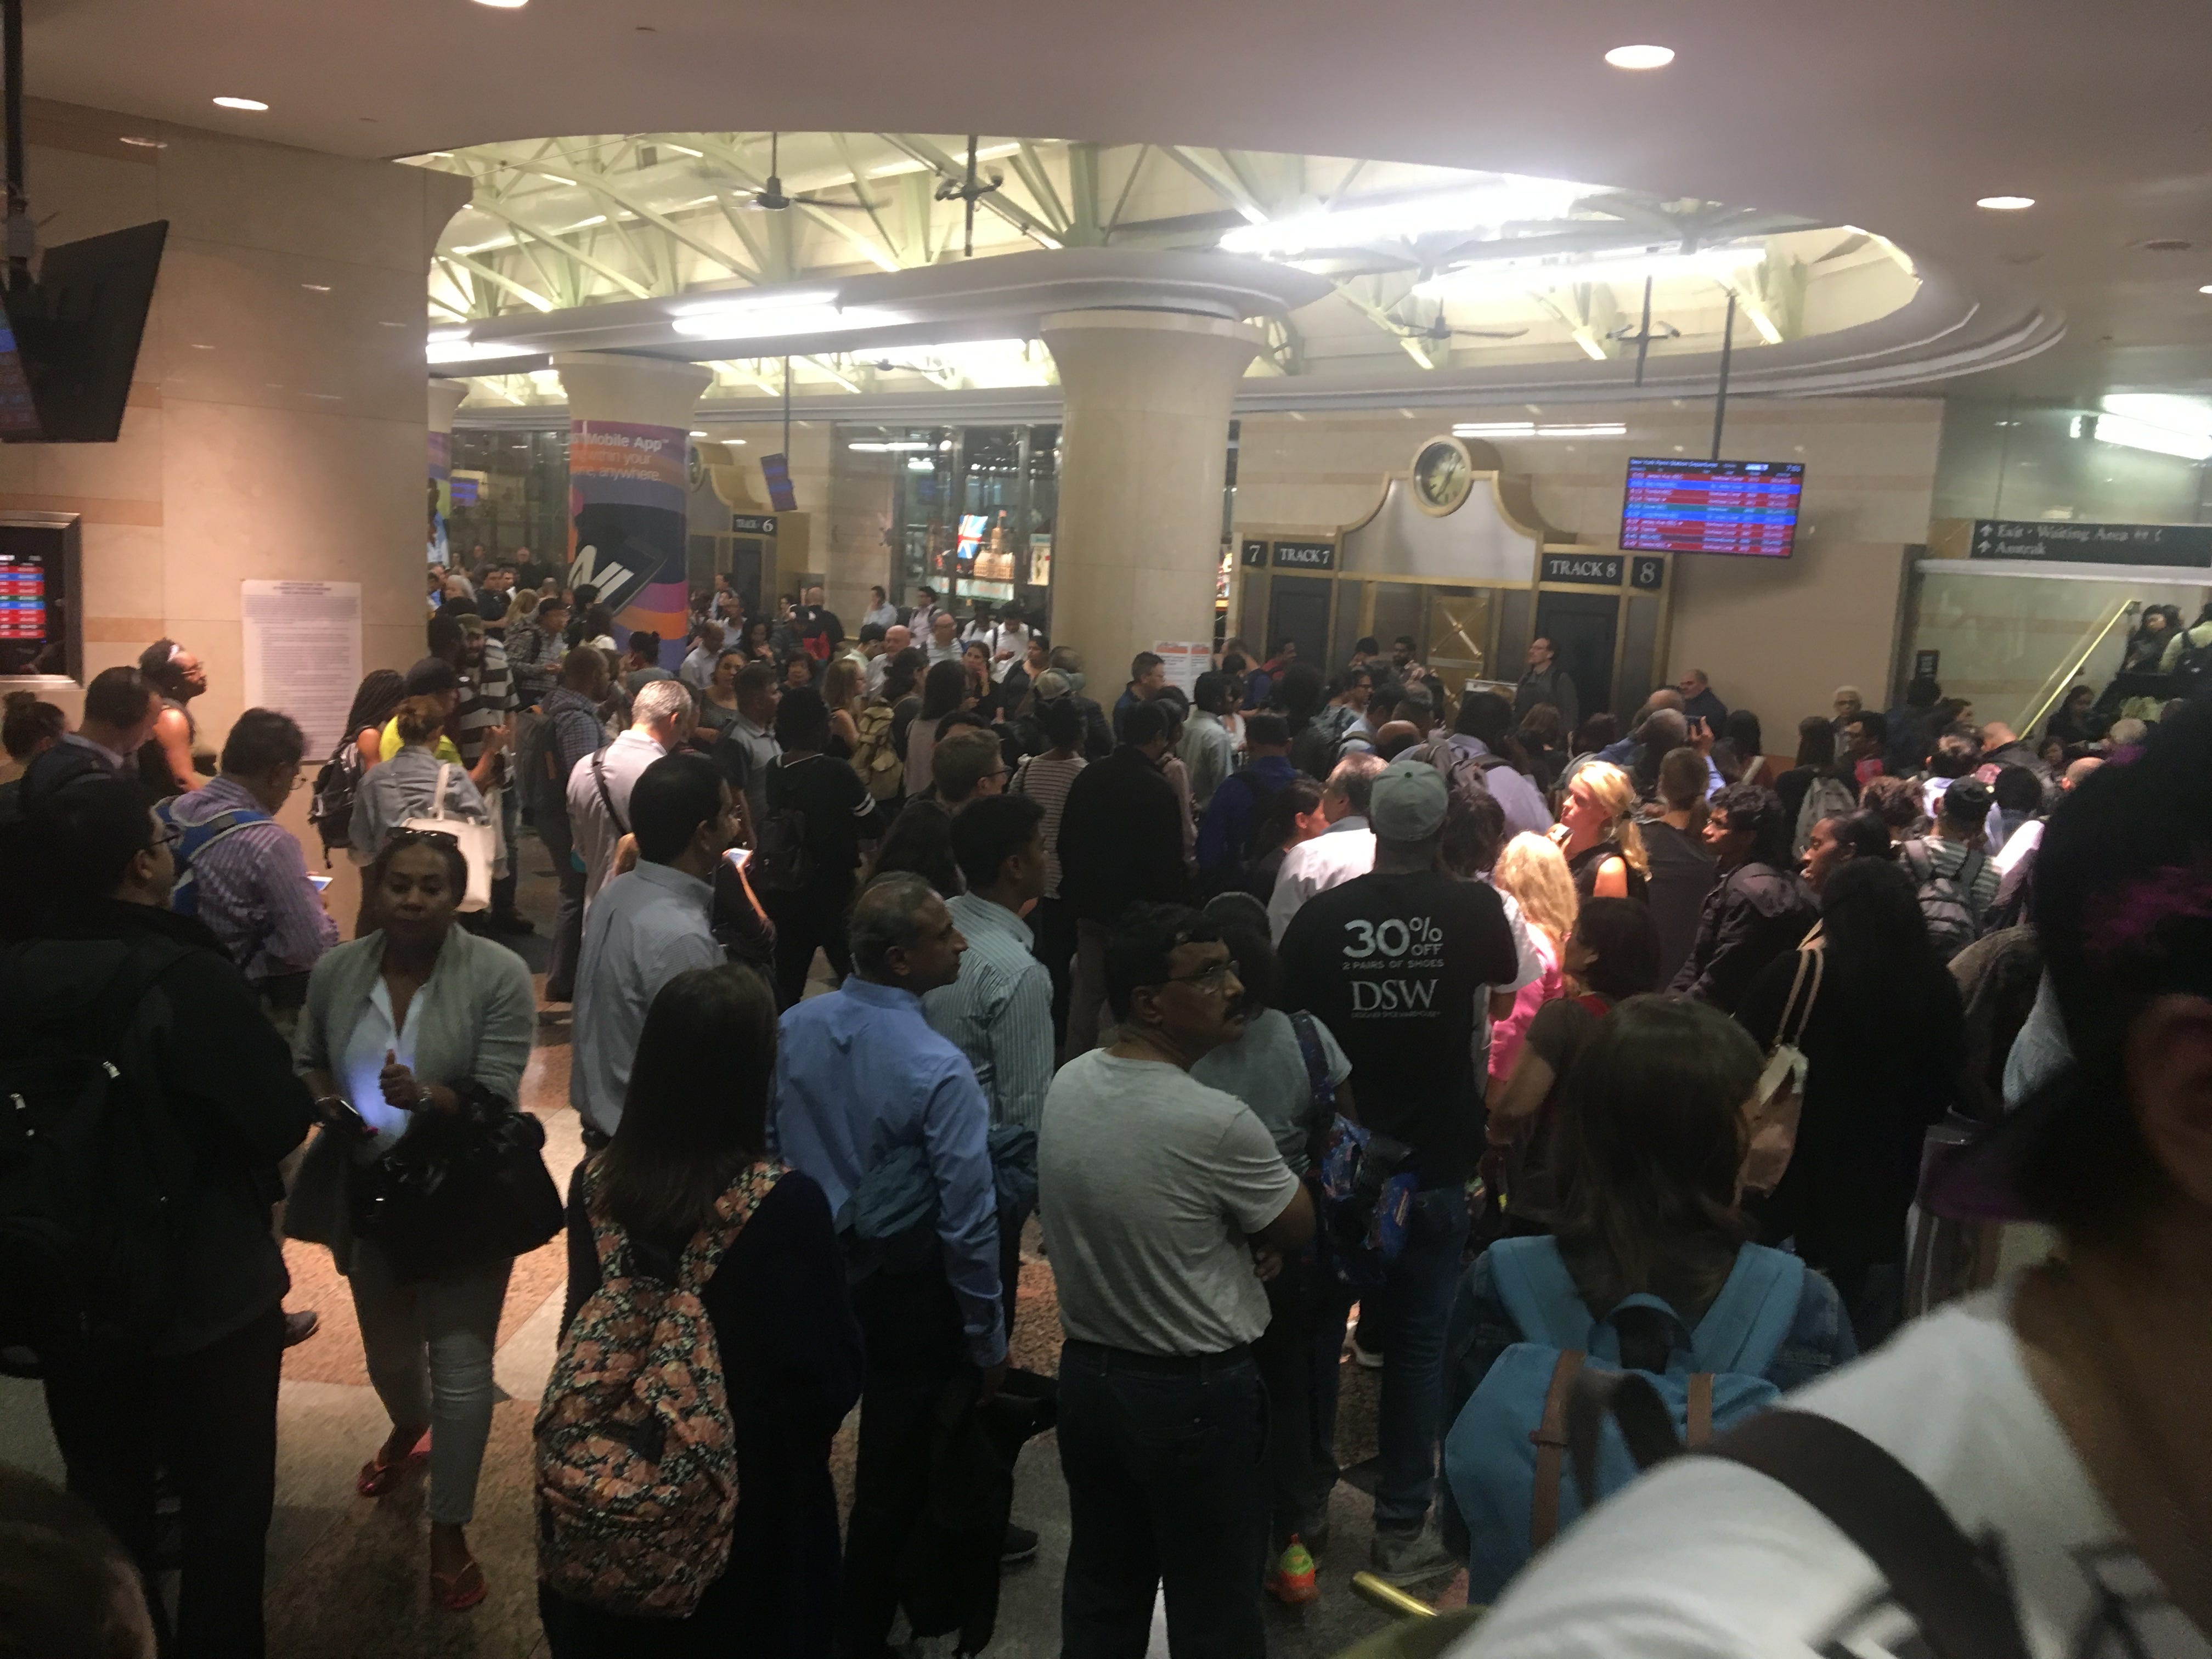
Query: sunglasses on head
{"points": [[423, 837]]}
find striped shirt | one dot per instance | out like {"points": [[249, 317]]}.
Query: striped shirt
{"points": [[253, 886], [998, 1012], [487, 697], [535, 656], [1045, 780]]}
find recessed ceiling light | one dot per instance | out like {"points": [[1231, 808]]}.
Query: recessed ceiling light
{"points": [[241, 103], [144, 144], [505, 5], [2006, 203], [1640, 57], [2207, 288], [698, 434], [2167, 245]]}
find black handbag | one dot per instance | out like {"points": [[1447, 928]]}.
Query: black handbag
{"points": [[460, 1188]]}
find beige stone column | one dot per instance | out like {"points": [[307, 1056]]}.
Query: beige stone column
{"points": [[629, 422], [1143, 446], [445, 401]]}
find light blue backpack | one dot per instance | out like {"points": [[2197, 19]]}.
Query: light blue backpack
{"points": [[1560, 1392]]}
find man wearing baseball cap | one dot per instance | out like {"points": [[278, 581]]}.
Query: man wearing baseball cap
{"points": [[2057, 1421], [1394, 962]]}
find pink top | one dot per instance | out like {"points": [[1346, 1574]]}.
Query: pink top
{"points": [[1507, 1034]]}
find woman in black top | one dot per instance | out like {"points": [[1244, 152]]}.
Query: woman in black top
{"points": [[1882, 1044], [975, 660], [817, 811], [1598, 834], [694, 1132]]}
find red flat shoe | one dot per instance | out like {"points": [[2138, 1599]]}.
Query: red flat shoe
{"points": [[378, 1477], [459, 1591]]}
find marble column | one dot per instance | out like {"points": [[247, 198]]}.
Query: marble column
{"points": [[628, 424], [445, 399], [1143, 444]]}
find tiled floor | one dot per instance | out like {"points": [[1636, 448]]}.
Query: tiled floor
{"points": [[348, 1577]]}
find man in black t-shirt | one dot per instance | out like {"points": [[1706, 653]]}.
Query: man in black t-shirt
{"points": [[1393, 962]]}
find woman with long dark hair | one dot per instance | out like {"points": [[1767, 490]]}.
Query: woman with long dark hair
{"points": [[945, 689], [1292, 815], [689, 1158], [1882, 1044], [834, 812], [1649, 1144], [373, 703]]}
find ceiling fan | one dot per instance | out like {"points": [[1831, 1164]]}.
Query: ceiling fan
{"points": [[1440, 332], [772, 199], [971, 190]]}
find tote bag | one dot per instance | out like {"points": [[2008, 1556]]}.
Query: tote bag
{"points": [[479, 842], [1779, 1099]]}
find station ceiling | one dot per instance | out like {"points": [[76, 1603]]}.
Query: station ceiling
{"points": [[1891, 115]]}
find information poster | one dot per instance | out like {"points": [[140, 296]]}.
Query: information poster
{"points": [[303, 655], [626, 510], [1186, 659]]}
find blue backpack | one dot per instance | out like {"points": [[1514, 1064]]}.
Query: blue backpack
{"points": [[192, 840], [1507, 1455]]}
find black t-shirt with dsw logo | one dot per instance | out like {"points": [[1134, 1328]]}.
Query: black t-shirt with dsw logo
{"points": [[1392, 964]]}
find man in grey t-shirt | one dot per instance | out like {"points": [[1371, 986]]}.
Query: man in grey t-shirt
{"points": [[1164, 1203]]}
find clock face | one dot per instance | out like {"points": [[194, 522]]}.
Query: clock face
{"points": [[1442, 476]]}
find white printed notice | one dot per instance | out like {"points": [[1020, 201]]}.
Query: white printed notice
{"points": [[1185, 660], [303, 653]]}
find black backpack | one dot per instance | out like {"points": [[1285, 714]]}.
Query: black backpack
{"points": [[2192, 669], [95, 1180], [1459, 769], [330, 810], [1947, 903], [782, 862]]}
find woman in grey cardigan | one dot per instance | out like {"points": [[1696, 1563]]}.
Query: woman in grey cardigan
{"points": [[401, 1021]]}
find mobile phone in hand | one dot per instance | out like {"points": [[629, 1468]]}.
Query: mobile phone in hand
{"points": [[739, 857], [345, 1117]]}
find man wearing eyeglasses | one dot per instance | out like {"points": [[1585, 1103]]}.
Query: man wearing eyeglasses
{"points": [[244, 872], [1166, 1203]]}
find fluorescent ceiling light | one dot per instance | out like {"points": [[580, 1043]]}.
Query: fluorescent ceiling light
{"points": [[695, 435], [453, 345], [1640, 57], [2207, 288], [1350, 225], [505, 5], [1530, 429], [2006, 203], [2141, 435], [772, 322], [241, 103], [915, 464], [1500, 276], [898, 448]]}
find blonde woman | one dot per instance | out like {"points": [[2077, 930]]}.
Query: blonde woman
{"points": [[1533, 872], [840, 690], [1597, 832]]}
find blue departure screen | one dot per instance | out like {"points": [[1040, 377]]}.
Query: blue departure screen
{"points": [[1747, 507]]}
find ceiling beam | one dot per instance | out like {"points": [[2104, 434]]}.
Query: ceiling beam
{"points": [[945, 167], [599, 184], [883, 258], [614, 274], [1218, 179], [528, 295]]}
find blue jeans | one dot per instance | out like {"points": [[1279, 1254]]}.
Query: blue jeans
{"points": [[1166, 1487], [1415, 1300]]}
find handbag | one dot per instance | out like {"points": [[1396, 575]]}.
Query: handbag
{"points": [[479, 843], [1779, 1099], [459, 1189]]}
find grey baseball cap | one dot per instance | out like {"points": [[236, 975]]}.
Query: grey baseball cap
{"points": [[1408, 801]]}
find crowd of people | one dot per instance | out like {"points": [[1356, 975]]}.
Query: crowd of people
{"points": [[1295, 1013]]}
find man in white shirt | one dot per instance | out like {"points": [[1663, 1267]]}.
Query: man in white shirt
{"points": [[1162, 1199], [599, 784], [650, 924], [944, 638], [2048, 1420], [880, 611], [698, 669], [895, 640], [1346, 850]]}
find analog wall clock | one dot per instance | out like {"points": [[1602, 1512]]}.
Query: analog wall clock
{"points": [[1443, 476]]}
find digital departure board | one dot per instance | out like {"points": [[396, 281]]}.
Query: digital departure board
{"points": [[1746, 507]]}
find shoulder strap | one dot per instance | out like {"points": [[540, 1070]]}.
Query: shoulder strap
{"points": [[1594, 1005], [1970, 871], [1917, 861], [599, 777], [1018, 784], [1745, 1328], [1538, 1292], [737, 1207], [1318, 1081], [1810, 957], [1956, 1595]]}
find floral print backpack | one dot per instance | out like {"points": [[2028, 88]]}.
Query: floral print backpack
{"points": [[636, 1454]]}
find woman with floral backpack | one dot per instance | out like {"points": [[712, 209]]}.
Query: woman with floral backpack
{"points": [[708, 1353]]}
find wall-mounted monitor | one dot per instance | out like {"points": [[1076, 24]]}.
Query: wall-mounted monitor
{"points": [[40, 632], [1744, 508], [77, 330]]}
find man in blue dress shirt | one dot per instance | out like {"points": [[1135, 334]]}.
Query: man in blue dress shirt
{"points": [[859, 1077]]}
